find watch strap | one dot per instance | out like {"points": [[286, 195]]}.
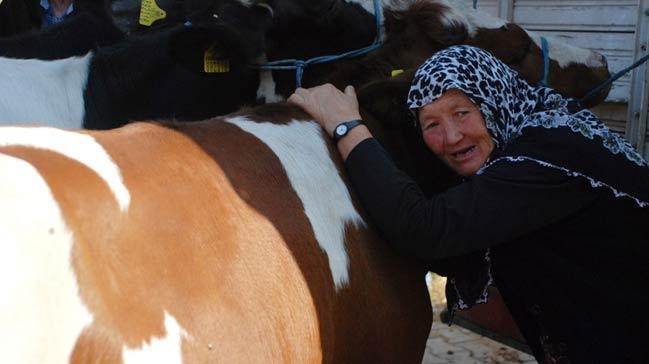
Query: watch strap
{"points": [[348, 125]]}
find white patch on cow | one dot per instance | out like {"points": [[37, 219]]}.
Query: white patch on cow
{"points": [[455, 16], [303, 152], [164, 350], [565, 54], [80, 147], [478, 19], [38, 92], [267, 85], [561, 52], [42, 313]]}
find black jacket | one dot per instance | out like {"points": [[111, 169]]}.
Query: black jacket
{"points": [[571, 261]]}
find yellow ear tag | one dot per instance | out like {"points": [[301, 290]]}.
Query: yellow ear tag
{"points": [[396, 72], [150, 12], [213, 61]]}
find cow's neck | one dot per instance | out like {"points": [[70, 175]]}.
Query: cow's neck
{"points": [[49, 92], [346, 27], [121, 81], [141, 82]]}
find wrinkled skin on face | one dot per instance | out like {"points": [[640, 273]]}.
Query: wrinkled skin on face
{"points": [[453, 128]]}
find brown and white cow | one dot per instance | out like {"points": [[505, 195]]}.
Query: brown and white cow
{"points": [[415, 29], [232, 240]]}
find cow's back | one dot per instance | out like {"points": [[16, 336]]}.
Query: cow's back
{"points": [[215, 242]]}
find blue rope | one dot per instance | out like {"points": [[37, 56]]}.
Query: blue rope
{"points": [[546, 62], [613, 79], [475, 4], [299, 65]]}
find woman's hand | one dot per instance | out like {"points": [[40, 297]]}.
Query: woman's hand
{"points": [[327, 104]]}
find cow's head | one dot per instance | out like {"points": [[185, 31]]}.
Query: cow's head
{"points": [[162, 14], [413, 32], [417, 31], [383, 107], [247, 16], [250, 19], [195, 47], [573, 71]]}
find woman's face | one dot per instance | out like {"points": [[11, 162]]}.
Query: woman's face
{"points": [[454, 129]]}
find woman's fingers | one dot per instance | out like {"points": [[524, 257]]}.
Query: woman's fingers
{"points": [[328, 105], [350, 91], [298, 97]]}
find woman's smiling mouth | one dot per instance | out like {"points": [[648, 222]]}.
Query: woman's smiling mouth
{"points": [[464, 154]]}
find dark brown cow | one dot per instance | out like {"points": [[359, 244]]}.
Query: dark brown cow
{"points": [[230, 240], [415, 29]]}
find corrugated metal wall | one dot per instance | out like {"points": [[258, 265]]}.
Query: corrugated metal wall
{"points": [[607, 26]]}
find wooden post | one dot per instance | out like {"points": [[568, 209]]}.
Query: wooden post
{"points": [[506, 10], [638, 115]]}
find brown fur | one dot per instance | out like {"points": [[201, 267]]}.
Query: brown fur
{"points": [[414, 34], [216, 237]]}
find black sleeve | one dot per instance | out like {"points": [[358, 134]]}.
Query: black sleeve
{"points": [[500, 205]]}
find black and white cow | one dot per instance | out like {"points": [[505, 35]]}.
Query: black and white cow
{"points": [[156, 75], [302, 30], [141, 79]]}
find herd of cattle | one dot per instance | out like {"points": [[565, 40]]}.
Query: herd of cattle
{"points": [[210, 221]]}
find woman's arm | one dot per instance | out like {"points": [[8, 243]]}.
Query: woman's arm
{"points": [[503, 204]]}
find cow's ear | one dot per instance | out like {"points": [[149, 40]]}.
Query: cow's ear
{"points": [[207, 49], [385, 100]]}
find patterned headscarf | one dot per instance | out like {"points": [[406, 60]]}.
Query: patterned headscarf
{"points": [[510, 106]]}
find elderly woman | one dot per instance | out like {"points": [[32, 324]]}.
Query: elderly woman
{"points": [[553, 208]]}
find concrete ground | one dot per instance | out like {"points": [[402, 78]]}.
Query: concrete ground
{"points": [[456, 345]]}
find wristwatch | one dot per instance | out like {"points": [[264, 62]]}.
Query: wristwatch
{"points": [[343, 129]]}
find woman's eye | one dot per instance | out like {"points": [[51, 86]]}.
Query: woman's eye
{"points": [[431, 125], [462, 113]]}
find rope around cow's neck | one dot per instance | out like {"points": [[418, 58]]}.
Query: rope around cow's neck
{"points": [[546, 62], [299, 65]]}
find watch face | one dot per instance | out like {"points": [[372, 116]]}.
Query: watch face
{"points": [[341, 129]]}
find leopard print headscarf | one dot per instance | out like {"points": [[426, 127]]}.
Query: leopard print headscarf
{"points": [[509, 105]]}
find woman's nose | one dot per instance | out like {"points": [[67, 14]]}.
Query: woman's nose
{"points": [[453, 134]]}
